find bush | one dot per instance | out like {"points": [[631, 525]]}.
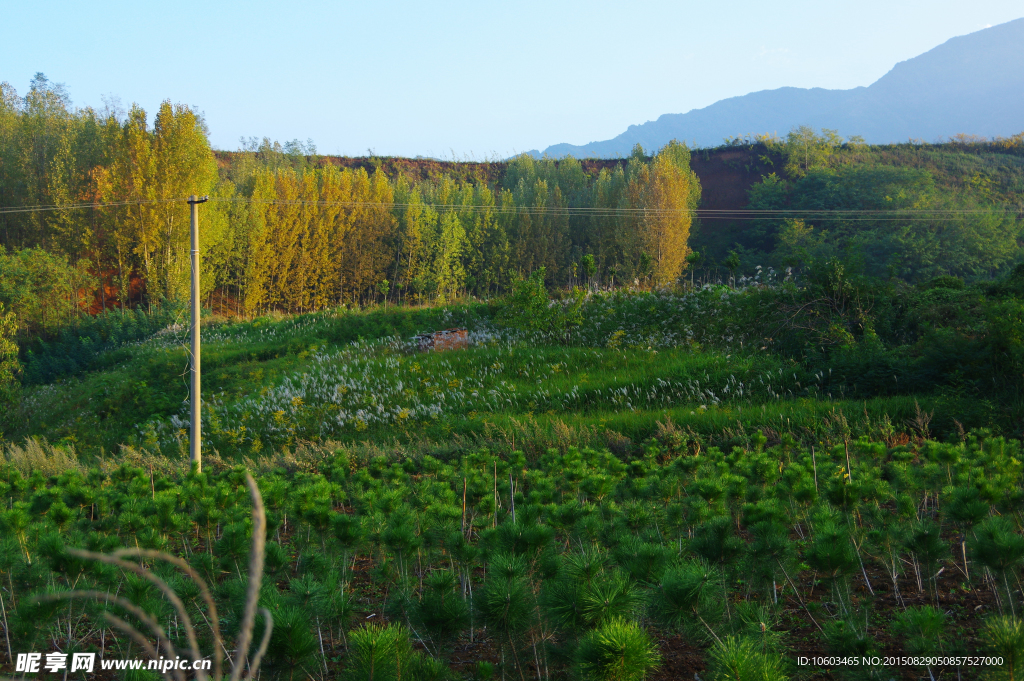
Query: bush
{"points": [[1004, 637], [619, 650], [529, 309], [740, 659], [77, 347], [383, 653]]}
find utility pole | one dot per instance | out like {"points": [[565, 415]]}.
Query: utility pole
{"points": [[195, 436]]}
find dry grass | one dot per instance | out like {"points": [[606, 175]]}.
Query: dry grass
{"points": [[156, 463], [38, 455]]}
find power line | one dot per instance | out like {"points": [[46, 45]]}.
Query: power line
{"points": [[737, 214], [607, 209], [80, 206]]}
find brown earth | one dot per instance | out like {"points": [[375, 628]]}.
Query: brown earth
{"points": [[725, 174]]}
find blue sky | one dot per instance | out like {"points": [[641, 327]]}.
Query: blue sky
{"points": [[461, 79]]}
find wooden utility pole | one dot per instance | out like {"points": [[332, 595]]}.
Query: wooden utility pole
{"points": [[195, 436]]}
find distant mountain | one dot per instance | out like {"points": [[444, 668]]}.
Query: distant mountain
{"points": [[971, 84]]}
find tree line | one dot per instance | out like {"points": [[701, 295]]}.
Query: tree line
{"points": [[909, 212], [288, 230]]}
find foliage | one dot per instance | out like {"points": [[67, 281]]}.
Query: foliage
{"points": [[618, 650], [732, 465], [292, 645], [379, 652], [80, 345], [696, 353], [599, 542], [286, 230], [662, 195], [1005, 638], [44, 291], [922, 630], [530, 310], [999, 548], [9, 365], [739, 659], [909, 211]]}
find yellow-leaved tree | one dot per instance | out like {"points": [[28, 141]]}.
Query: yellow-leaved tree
{"points": [[662, 195], [150, 175], [184, 165]]}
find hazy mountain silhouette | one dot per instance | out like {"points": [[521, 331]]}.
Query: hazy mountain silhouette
{"points": [[971, 84]]}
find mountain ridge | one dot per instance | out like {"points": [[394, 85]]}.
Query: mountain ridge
{"points": [[968, 84]]}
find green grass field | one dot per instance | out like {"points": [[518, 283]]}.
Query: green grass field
{"points": [[350, 377], [660, 493]]}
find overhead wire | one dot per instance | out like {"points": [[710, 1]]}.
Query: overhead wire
{"points": [[79, 206], [610, 210], [847, 214]]}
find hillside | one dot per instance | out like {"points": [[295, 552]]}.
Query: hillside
{"points": [[677, 468], [661, 441], [961, 176], [970, 84], [747, 412]]}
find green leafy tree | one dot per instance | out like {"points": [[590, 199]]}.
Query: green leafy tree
{"points": [[44, 290], [805, 149], [10, 367], [447, 269], [589, 268], [732, 263], [529, 308]]}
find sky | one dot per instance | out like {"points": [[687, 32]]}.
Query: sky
{"points": [[461, 80]]}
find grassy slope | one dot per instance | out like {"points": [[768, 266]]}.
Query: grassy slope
{"points": [[555, 396], [273, 383]]}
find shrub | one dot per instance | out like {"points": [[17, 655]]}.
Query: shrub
{"points": [[739, 659], [379, 653], [529, 309], [1004, 637], [618, 650], [922, 629], [999, 548]]}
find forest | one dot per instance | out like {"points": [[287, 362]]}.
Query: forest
{"points": [[719, 409], [290, 231]]}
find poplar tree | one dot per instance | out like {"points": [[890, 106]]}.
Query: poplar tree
{"points": [[418, 220], [130, 179], [668, 196], [10, 368], [447, 268], [183, 165], [305, 234]]}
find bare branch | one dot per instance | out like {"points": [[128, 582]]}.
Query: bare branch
{"points": [[252, 596], [164, 588], [267, 631], [127, 605], [213, 621]]}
